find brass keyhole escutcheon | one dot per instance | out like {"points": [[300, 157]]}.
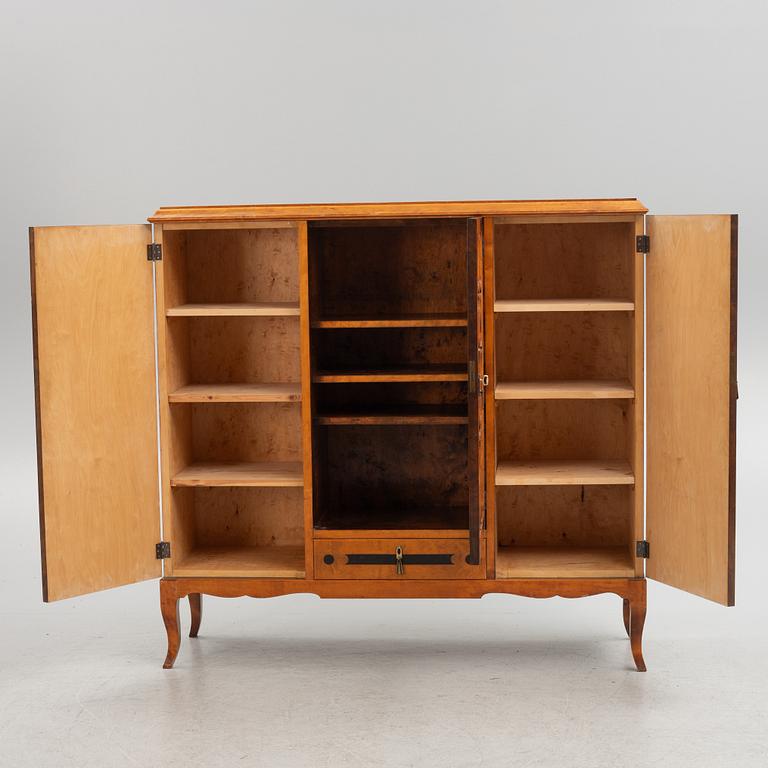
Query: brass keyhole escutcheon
{"points": [[399, 565]]}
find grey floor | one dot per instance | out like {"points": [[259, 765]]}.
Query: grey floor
{"points": [[297, 681]]}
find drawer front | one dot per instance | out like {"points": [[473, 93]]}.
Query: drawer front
{"points": [[395, 559]]}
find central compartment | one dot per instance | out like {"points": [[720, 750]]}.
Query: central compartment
{"points": [[393, 338]]}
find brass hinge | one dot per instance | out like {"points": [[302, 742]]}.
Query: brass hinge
{"points": [[643, 549], [163, 550], [154, 252], [643, 244]]}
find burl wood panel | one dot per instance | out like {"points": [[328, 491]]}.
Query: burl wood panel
{"points": [[563, 346], [385, 348], [233, 265], [340, 568], [561, 429], [391, 467], [564, 261], [246, 516], [374, 271], [243, 432], [221, 350], [582, 516]]}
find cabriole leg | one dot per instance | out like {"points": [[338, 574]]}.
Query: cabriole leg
{"points": [[169, 606], [637, 607], [196, 608], [626, 615]]}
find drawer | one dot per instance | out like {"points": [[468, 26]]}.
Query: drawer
{"points": [[378, 559]]}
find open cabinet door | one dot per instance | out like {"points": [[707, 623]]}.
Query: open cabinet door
{"points": [[691, 403], [476, 415], [92, 311]]}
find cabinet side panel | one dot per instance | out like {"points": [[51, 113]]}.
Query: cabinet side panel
{"points": [[97, 438], [691, 403]]}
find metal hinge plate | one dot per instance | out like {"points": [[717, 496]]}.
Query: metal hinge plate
{"points": [[643, 243], [643, 549], [163, 550], [154, 252]]}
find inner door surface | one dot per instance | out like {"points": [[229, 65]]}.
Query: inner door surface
{"points": [[691, 275], [95, 393]]}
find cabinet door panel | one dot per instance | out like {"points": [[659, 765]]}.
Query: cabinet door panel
{"points": [[96, 407], [691, 403]]}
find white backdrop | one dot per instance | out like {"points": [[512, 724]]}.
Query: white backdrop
{"points": [[111, 110]]}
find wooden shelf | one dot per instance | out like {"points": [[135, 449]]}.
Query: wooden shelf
{"points": [[416, 414], [400, 374], [399, 518], [564, 473], [258, 309], [256, 474], [564, 305], [563, 390], [425, 320], [392, 533], [237, 393], [563, 562], [275, 562]]}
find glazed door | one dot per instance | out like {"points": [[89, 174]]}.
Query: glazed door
{"points": [[476, 418], [92, 301], [691, 281]]}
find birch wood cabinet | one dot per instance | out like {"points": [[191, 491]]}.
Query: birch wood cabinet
{"points": [[388, 400]]}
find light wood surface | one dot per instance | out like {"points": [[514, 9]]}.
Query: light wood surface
{"points": [[563, 305], [259, 309], [530, 430], [562, 562], [617, 207], [236, 393], [265, 474], [564, 473], [256, 562], [691, 403], [539, 346], [424, 320], [585, 261], [565, 515], [563, 390], [96, 402]]}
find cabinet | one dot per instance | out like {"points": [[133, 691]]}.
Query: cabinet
{"points": [[388, 400]]}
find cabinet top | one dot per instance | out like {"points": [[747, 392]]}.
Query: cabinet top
{"points": [[628, 206]]}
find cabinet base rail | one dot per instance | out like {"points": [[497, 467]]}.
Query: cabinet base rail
{"points": [[632, 591]]}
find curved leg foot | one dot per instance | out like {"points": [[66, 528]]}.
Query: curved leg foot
{"points": [[636, 620], [626, 616], [169, 606], [196, 608]]}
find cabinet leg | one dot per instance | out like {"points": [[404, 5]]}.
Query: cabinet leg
{"points": [[626, 616], [637, 609], [196, 608], [169, 606]]}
